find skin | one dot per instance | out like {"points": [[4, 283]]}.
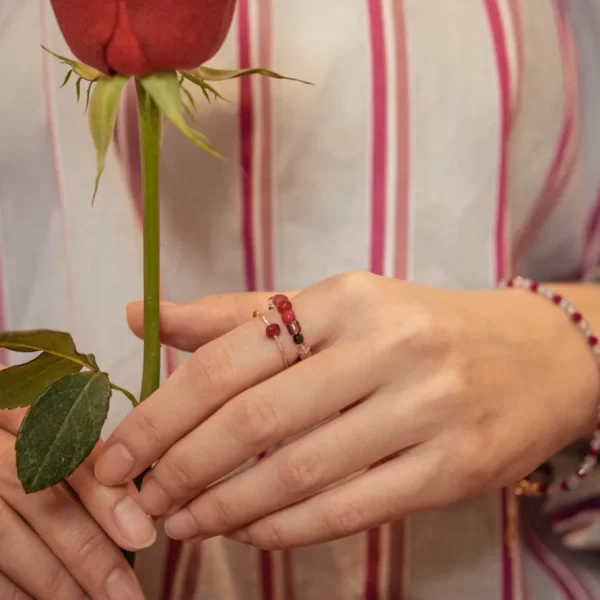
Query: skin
{"points": [[68, 534], [449, 393]]}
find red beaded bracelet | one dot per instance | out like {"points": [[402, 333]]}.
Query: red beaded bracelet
{"points": [[285, 309], [529, 487]]}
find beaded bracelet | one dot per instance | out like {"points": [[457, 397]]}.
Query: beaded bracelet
{"points": [[284, 307], [538, 488]]}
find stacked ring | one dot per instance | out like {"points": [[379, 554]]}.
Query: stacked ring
{"points": [[284, 307], [272, 331]]}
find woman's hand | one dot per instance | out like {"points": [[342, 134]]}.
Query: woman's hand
{"points": [[415, 398], [55, 545]]}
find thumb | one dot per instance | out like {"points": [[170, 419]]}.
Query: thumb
{"points": [[189, 325]]}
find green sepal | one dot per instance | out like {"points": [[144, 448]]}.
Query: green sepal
{"points": [[82, 70], [206, 88], [209, 74], [61, 429], [103, 110], [22, 384], [164, 89]]}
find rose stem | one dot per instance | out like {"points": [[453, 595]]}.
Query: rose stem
{"points": [[150, 123]]}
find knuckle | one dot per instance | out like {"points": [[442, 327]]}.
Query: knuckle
{"points": [[210, 368], [355, 286], [174, 475], [253, 422], [301, 473], [471, 464], [59, 584], [267, 536], [343, 519], [222, 517], [87, 545], [148, 426]]}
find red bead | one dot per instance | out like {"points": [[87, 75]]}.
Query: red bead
{"points": [[284, 306], [576, 317], [593, 452], [593, 340], [288, 317], [533, 286], [279, 299], [564, 486], [273, 330], [557, 299], [510, 283]]}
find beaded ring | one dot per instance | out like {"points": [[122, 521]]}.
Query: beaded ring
{"points": [[285, 309], [529, 487], [273, 331]]}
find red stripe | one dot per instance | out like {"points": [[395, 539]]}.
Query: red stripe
{"points": [[547, 562], [403, 142], [246, 144], [378, 216], [562, 164], [497, 30], [379, 163], [266, 109]]}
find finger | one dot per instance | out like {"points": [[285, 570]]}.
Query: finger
{"points": [[23, 550], [368, 433], [213, 375], [387, 493], [115, 509], [9, 590], [71, 534], [189, 325], [254, 421]]}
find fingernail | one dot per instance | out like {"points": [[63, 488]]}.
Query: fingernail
{"points": [[154, 499], [134, 524], [181, 526], [115, 465], [120, 585]]}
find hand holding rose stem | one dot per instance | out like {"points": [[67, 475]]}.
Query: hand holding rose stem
{"points": [[69, 407]]}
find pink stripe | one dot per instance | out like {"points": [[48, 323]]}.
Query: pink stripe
{"points": [[497, 30], [561, 167], [591, 252], [49, 86], [378, 215], [266, 109], [515, 13], [403, 143], [379, 149], [563, 577], [246, 141]]}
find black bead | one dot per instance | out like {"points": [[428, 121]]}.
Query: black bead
{"points": [[299, 339]]}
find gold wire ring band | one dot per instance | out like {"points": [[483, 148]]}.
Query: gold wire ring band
{"points": [[276, 339]]}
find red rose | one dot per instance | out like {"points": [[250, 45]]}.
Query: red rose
{"points": [[138, 37]]}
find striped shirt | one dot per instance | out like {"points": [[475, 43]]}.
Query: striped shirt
{"points": [[448, 143]]}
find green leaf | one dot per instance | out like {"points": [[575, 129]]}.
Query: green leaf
{"points": [[22, 384], [61, 429], [163, 88], [104, 106], [82, 70], [223, 75], [57, 343]]}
